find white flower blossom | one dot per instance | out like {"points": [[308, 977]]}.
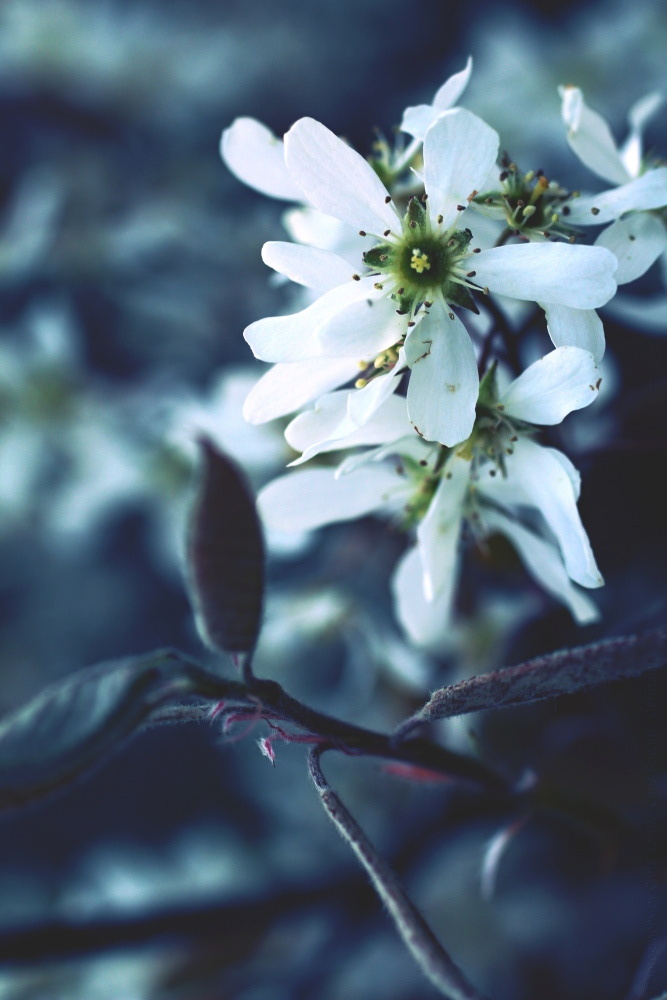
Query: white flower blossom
{"points": [[421, 263], [499, 481], [637, 205]]}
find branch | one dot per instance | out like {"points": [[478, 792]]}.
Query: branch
{"points": [[564, 672], [61, 939], [415, 932], [272, 703]]}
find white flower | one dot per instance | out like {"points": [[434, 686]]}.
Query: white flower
{"points": [[421, 263], [637, 240], [498, 481]]}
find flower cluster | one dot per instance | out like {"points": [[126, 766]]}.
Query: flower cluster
{"points": [[428, 272]]}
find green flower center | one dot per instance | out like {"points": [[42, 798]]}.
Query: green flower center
{"points": [[422, 262]]}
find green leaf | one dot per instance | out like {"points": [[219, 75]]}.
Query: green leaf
{"points": [[72, 726], [226, 557]]}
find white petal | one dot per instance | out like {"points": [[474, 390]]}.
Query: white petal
{"points": [[336, 179], [329, 427], [307, 225], [643, 194], [636, 241], [570, 470], [309, 266], [293, 337], [257, 157], [575, 328], [577, 276], [444, 383], [563, 380], [363, 403], [544, 563], [362, 329], [447, 95], [417, 120], [459, 153], [439, 530], [590, 138], [411, 447], [287, 387], [640, 114], [426, 622], [311, 498], [537, 478]]}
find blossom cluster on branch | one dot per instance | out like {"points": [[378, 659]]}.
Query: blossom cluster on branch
{"points": [[422, 270]]}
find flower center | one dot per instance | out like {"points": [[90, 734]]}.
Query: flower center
{"points": [[422, 263]]}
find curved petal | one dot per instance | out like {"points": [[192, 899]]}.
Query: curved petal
{"points": [[289, 386], [257, 157], [417, 120], [311, 498], [535, 477], [544, 563], [362, 329], [427, 623], [309, 266], [641, 195], [577, 276], [575, 328], [444, 383], [307, 225], [460, 151], [636, 241], [564, 380], [439, 530], [336, 179], [293, 337], [590, 138], [328, 426], [640, 114], [447, 95]]}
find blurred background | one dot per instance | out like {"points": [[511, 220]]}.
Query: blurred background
{"points": [[129, 266]]}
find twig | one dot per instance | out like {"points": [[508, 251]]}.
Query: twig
{"points": [[415, 932], [271, 702], [564, 672]]}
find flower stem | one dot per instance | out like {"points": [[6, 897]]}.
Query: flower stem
{"points": [[415, 932]]}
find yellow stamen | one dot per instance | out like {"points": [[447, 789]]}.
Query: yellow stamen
{"points": [[419, 261]]}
